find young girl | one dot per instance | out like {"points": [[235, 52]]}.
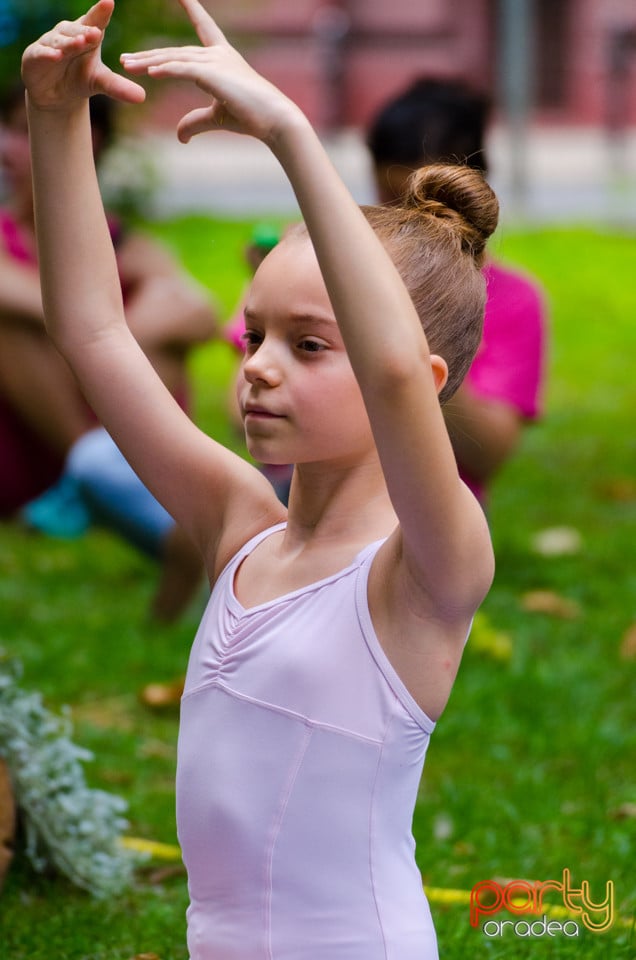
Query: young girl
{"points": [[335, 629]]}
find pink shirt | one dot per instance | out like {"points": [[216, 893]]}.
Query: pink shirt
{"points": [[300, 755], [235, 329], [510, 360]]}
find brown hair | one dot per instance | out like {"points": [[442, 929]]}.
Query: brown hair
{"points": [[437, 238]]}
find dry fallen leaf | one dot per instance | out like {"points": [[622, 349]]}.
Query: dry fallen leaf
{"points": [[157, 748], [116, 778], [628, 646], [619, 489], [160, 874], [443, 827], [160, 695], [546, 601], [557, 541], [116, 713], [488, 639], [626, 811]]}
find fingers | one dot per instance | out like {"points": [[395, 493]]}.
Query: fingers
{"points": [[70, 36], [74, 36], [144, 60], [206, 29], [179, 68], [119, 88], [99, 14], [41, 51], [66, 42], [201, 120]]}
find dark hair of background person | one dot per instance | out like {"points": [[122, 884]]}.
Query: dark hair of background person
{"points": [[102, 110], [432, 121]]}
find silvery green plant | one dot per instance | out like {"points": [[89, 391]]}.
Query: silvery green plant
{"points": [[66, 824]]}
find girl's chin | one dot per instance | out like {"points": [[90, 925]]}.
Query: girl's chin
{"points": [[262, 454]]}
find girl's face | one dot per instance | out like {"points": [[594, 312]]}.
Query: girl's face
{"points": [[297, 393]]}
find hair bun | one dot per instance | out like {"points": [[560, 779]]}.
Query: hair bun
{"points": [[460, 196]]}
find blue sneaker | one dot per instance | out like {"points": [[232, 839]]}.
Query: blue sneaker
{"points": [[59, 512]]}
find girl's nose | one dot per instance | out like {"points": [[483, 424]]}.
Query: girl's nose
{"points": [[263, 365]]}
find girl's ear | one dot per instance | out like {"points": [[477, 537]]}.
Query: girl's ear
{"points": [[440, 371]]}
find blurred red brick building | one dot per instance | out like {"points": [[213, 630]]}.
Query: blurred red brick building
{"points": [[340, 59]]}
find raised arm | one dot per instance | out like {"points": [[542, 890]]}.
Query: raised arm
{"points": [[442, 545], [195, 478], [443, 540]]}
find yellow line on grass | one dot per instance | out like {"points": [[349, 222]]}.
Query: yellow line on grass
{"points": [[441, 896]]}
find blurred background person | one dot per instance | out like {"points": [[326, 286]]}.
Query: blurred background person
{"points": [[445, 120], [61, 472]]}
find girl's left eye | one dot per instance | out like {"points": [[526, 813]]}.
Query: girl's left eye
{"points": [[311, 346]]}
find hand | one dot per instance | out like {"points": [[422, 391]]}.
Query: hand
{"points": [[243, 101], [65, 65]]}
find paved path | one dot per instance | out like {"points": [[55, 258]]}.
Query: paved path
{"points": [[572, 176]]}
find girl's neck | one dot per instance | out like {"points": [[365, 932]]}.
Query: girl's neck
{"points": [[337, 505]]}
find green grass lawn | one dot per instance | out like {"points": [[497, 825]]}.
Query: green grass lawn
{"points": [[533, 767]]}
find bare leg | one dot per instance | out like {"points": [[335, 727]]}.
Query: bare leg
{"points": [[38, 384], [40, 387], [181, 576]]}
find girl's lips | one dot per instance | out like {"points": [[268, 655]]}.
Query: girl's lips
{"points": [[261, 413]]}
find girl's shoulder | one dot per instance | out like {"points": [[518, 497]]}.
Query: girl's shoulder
{"points": [[244, 529]]}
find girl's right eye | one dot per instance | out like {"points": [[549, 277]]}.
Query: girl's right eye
{"points": [[251, 340]]}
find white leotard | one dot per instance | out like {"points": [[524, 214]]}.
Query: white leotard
{"points": [[300, 755]]}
